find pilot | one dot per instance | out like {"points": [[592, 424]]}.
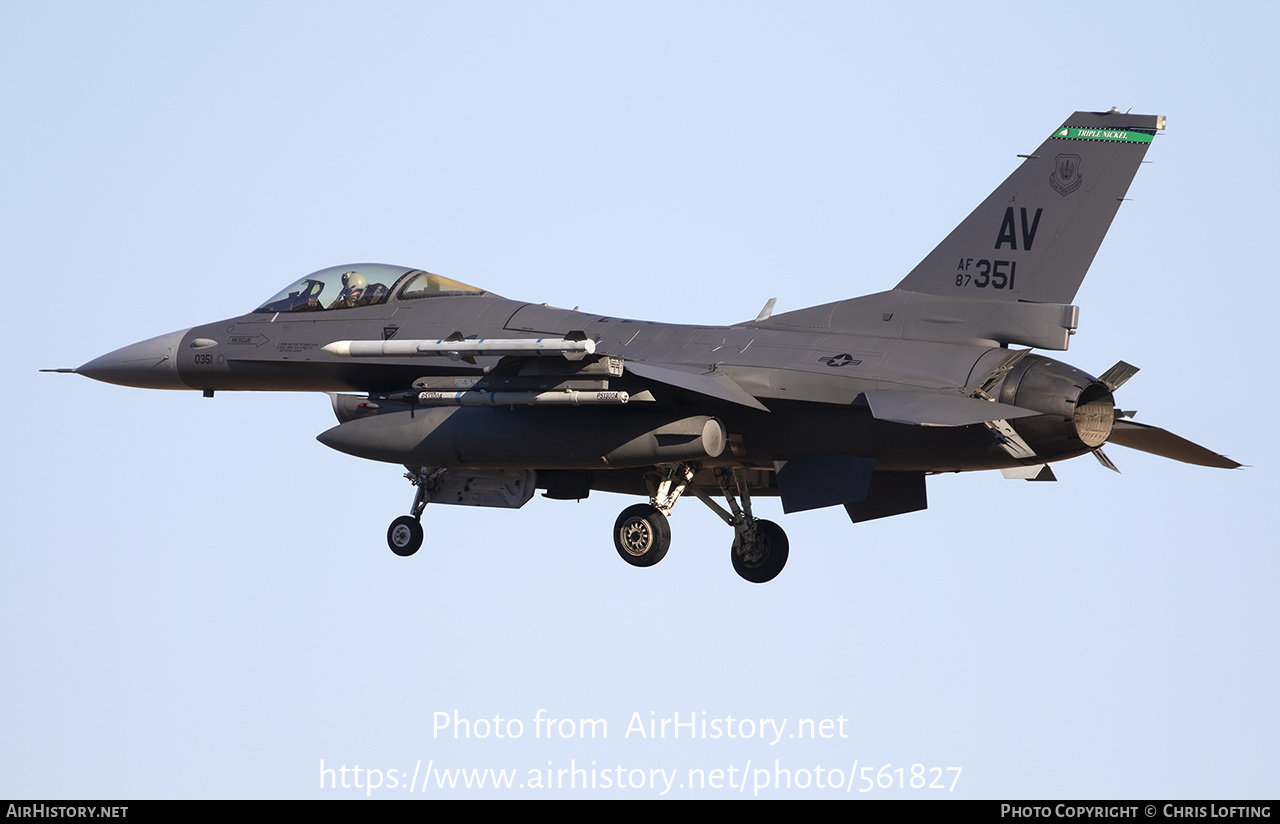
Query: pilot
{"points": [[353, 286]]}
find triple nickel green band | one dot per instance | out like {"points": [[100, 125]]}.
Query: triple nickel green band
{"points": [[1114, 135]]}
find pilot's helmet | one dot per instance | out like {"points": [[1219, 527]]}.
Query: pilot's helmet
{"points": [[354, 282]]}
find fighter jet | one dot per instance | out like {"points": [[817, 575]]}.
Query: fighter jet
{"points": [[854, 403]]}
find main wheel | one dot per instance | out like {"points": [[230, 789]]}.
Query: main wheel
{"points": [[405, 535], [642, 535], [765, 559]]}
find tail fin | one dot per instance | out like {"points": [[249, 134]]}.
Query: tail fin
{"points": [[1034, 237]]}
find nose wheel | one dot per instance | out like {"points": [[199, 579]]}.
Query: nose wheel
{"points": [[404, 535]]}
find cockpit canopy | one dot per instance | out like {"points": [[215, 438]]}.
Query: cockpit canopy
{"points": [[362, 284]]}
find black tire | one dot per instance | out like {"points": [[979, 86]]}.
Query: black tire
{"points": [[642, 535], [404, 536], [763, 562]]}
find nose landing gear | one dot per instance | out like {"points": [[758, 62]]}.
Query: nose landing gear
{"points": [[404, 536]]}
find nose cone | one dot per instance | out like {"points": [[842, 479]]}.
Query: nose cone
{"points": [[150, 364]]}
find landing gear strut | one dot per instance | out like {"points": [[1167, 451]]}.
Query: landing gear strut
{"points": [[760, 548], [642, 534], [404, 536]]}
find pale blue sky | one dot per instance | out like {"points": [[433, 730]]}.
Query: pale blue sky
{"points": [[196, 599]]}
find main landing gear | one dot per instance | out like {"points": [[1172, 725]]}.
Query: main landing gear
{"points": [[642, 534]]}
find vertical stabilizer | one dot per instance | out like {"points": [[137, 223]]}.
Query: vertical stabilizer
{"points": [[1034, 237]]}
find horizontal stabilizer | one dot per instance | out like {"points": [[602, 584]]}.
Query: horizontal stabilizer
{"points": [[925, 408], [711, 384], [1157, 441]]}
